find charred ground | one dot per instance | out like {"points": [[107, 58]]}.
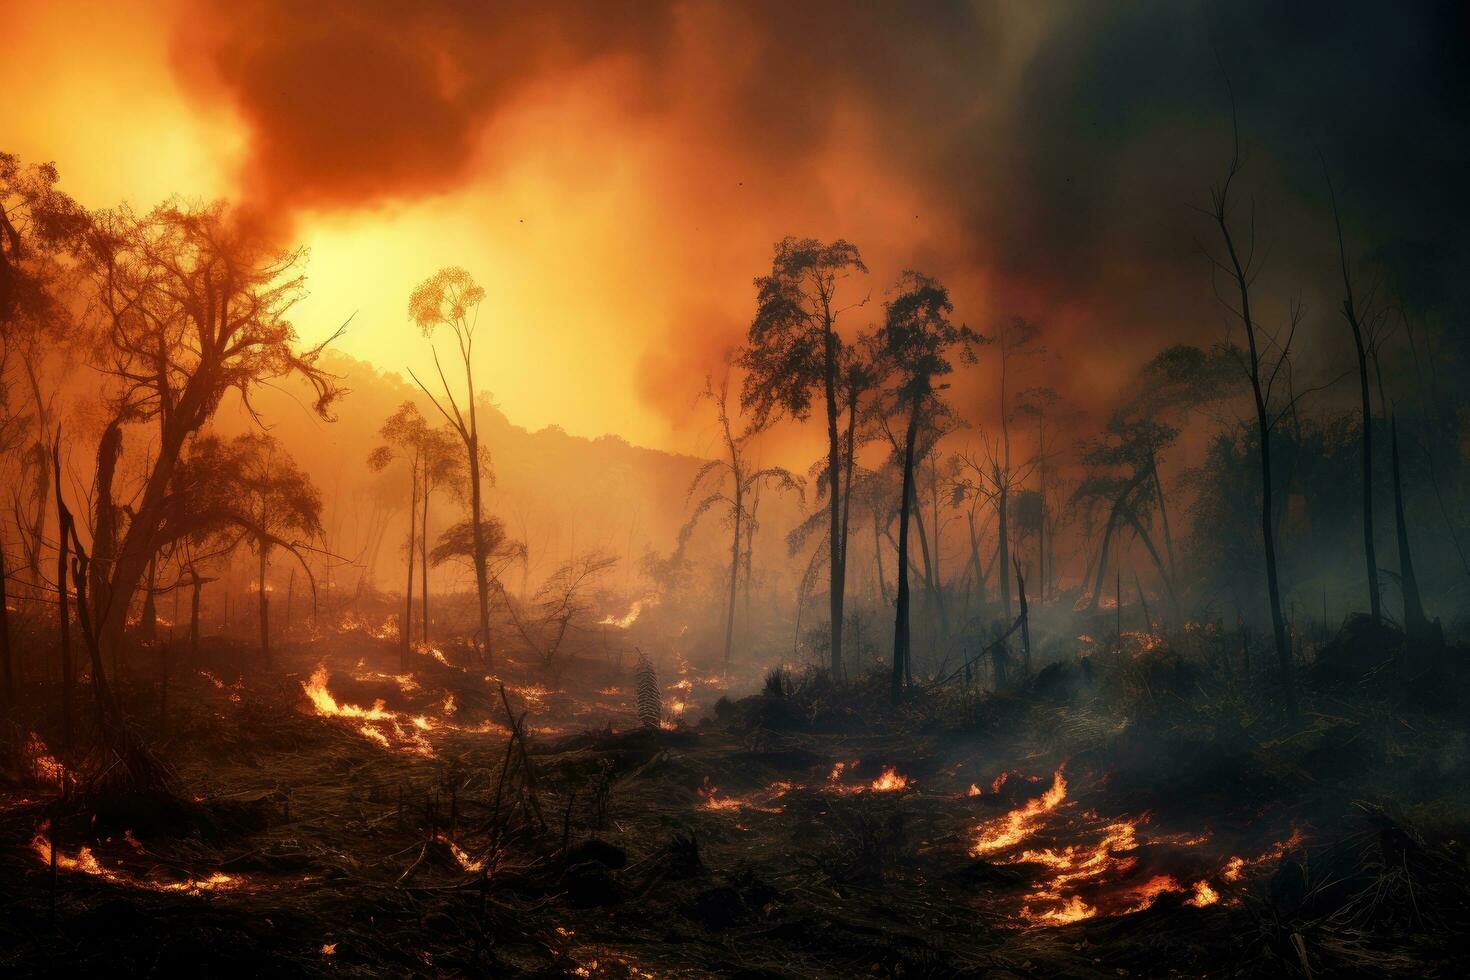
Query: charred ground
{"points": [[1137, 810]]}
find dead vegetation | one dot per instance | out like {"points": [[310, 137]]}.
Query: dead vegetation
{"points": [[1124, 816]]}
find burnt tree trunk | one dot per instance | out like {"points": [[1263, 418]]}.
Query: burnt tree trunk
{"points": [[901, 640], [264, 603]]}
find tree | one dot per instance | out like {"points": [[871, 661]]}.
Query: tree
{"points": [[250, 486], [441, 464], [562, 599], [1018, 338], [1363, 342], [404, 434], [458, 543], [1265, 357], [1040, 403], [742, 480], [914, 344], [1174, 383], [793, 352], [451, 298], [193, 303], [278, 499], [1122, 468], [38, 224]]}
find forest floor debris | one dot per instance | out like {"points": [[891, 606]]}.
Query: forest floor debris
{"points": [[356, 819]]}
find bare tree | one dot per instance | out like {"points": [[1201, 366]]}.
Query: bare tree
{"points": [[451, 298], [1266, 356], [1363, 342], [738, 480], [404, 435]]}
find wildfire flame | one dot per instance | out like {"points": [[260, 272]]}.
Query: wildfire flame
{"points": [[1020, 823], [710, 800], [1100, 873], [630, 617], [316, 689], [86, 862], [373, 719], [44, 766], [889, 781]]}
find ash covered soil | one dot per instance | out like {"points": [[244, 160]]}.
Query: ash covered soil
{"points": [[1140, 813]]}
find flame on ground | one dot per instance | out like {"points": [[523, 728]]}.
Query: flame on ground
{"points": [[464, 860], [630, 617], [1099, 875], [86, 862], [1020, 823], [710, 799], [43, 765], [889, 781]]}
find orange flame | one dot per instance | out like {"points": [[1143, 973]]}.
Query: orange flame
{"points": [[889, 781], [1020, 823]]}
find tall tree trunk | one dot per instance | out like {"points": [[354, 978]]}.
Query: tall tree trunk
{"points": [[878, 560], [290, 598], [835, 554], [424, 563], [1002, 510], [1153, 464], [734, 574], [935, 597], [1025, 621], [1263, 436], [1153, 554], [150, 603], [901, 648], [139, 544], [405, 632], [1350, 312], [849, 464], [482, 571], [265, 604], [1370, 551], [63, 615], [194, 619], [5, 652]]}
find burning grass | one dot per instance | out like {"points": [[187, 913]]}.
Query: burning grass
{"points": [[1083, 865]]}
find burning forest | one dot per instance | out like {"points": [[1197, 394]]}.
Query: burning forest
{"points": [[702, 490]]}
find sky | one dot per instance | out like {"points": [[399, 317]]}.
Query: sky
{"points": [[615, 174]]}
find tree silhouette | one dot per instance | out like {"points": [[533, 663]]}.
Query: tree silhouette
{"points": [[451, 298], [404, 435], [193, 304], [1122, 468], [279, 499], [1266, 356], [914, 344], [738, 481], [793, 352], [252, 484], [1018, 338], [38, 225], [1364, 324], [458, 544]]}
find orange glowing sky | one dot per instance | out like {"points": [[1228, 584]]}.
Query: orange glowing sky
{"points": [[616, 248], [615, 175]]}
